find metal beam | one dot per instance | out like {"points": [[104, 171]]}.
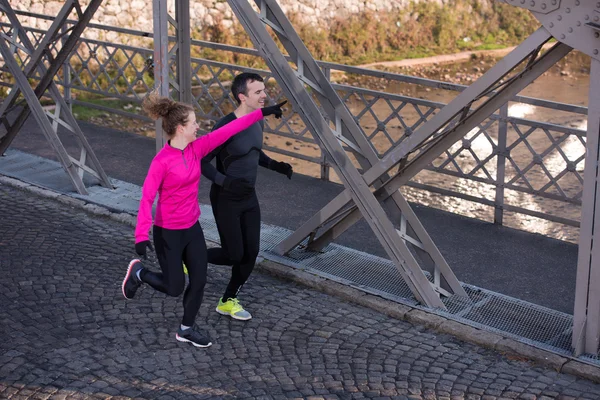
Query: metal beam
{"points": [[161, 60], [463, 101], [586, 314], [52, 70], [39, 114], [501, 164], [34, 60], [348, 130], [74, 167], [164, 57], [535, 70], [184, 58], [293, 84], [446, 116], [70, 122], [310, 73]]}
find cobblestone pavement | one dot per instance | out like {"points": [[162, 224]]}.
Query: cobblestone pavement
{"points": [[67, 332]]}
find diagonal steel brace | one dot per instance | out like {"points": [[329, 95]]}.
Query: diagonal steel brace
{"points": [[436, 124], [348, 130], [295, 90], [52, 70], [97, 171]]}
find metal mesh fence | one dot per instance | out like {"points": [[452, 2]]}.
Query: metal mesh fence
{"points": [[543, 160]]}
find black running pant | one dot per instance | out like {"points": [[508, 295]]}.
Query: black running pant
{"points": [[238, 222], [174, 247]]}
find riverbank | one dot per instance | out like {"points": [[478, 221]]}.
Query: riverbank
{"points": [[420, 29], [443, 58], [466, 67]]}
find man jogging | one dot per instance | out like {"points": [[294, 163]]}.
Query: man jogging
{"points": [[232, 195]]}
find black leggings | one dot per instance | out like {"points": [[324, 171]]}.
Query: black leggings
{"points": [[174, 246], [238, 223]]}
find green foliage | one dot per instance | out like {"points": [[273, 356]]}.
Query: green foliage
{"points": [[218, 33], [3, 92], [422, 29]]}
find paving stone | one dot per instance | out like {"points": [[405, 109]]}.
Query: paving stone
{"points": [[72, 335]]}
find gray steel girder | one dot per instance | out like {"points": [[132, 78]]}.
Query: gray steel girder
{"points": [[586, 315], [345, 130], [74, 167], [577, 24], [439, 133], [172, 82]]}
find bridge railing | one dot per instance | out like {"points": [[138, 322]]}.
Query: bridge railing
{"points": [[510, 170]]}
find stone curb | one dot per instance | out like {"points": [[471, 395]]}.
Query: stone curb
{"points": [[399, 311], [433, 321]]}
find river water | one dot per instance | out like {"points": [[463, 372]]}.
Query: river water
{"points": [[572, 89]]}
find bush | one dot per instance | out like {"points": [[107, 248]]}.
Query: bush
{"points": [[422, 29]]}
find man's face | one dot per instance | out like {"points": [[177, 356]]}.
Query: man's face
{"points": [[255, 95]]}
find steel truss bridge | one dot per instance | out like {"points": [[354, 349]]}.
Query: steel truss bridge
{"points": [[371, 179]]}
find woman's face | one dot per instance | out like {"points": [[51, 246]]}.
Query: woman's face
{"points": [[188, 131]]}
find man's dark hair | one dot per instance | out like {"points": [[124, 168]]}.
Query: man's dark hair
{"points": [[240, 84]]}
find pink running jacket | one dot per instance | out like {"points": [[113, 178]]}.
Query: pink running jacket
{"points": [[175, 175]]}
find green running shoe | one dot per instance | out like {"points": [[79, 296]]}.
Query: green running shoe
{"points": [[234, 309]]}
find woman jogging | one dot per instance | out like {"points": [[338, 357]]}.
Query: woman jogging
{"points": [[178, 238]]}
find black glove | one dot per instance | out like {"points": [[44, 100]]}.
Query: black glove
{"points": [[140, 248], [273, 110], [282, 168], [238, 186]]}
